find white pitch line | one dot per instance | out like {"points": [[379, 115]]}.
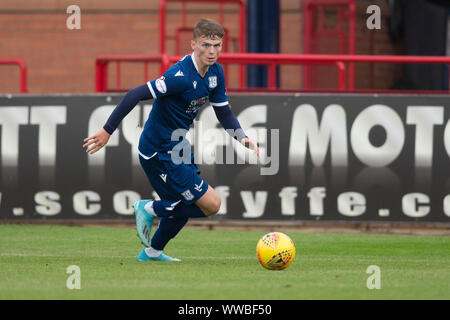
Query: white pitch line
{"points": [[58, 256], [299, 258], [113, 257]]}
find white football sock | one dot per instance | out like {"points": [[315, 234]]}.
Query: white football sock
{"points": [[149, 208], [153, 253]]}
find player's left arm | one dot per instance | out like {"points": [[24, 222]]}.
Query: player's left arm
{"points": [[229, 121], [226, 117]]}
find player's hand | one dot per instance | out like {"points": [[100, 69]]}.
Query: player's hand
{"points": [[250, 144], [96, 141]]}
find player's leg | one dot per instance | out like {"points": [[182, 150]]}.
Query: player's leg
{"points": [[207, 205], [167, 228], [210, 202], [196, 199], [153, 169]]}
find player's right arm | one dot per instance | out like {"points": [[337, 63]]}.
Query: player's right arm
{"points": [[128, 102], [169, 84]]}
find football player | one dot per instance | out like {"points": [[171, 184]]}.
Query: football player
{"points": [[178, 95]]}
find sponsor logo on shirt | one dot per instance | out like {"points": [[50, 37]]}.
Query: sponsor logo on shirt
{"points": [[196, 104]]}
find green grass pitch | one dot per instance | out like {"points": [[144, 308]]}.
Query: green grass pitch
{"points": [[218, 265]]}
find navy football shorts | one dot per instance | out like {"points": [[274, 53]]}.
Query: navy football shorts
{"points": [[174, 182]]}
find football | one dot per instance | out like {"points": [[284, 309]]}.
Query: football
{"points": [[275, 251]]}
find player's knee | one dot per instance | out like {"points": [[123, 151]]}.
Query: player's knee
{"points": [[214, 206], [217, 204]]}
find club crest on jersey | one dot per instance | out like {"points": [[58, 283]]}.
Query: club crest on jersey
{"points": [[187, 195], [161, 85], [212, 82]]}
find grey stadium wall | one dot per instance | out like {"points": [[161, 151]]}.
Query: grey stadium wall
{"points": [[327, 157]]}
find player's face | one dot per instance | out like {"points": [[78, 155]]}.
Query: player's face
{"points": [[207, 50]]}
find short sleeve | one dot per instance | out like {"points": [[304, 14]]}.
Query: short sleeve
{"points": [[218, 97]]}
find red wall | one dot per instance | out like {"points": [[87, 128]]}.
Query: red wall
{"points": [[62, 61]]}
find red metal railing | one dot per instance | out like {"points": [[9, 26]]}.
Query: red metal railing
{"points": [[102, 62], [315, 27], [23, 71], [271, 60]]}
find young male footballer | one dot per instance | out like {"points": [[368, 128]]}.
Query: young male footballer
{"points": [[178, 95]]}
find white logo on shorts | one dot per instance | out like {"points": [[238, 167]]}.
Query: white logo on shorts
{"points": [[187, 195], [163, 176], [198, 187], [161, 85], [212, 82]]}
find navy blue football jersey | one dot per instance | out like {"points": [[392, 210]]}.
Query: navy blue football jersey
{"points": [[178, 96]]}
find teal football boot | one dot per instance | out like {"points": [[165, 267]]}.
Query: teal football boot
{"points": [[144, 222], [162, 257]]}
